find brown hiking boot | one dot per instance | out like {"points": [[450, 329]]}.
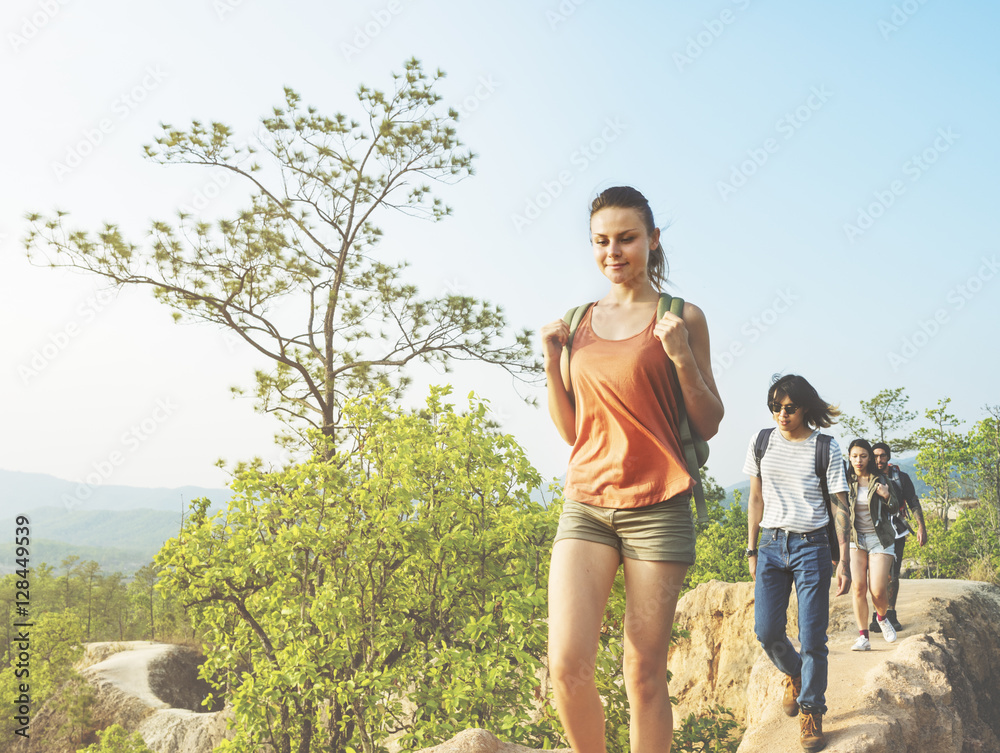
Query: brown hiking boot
{"points": [[811, 731], [790, 703]]}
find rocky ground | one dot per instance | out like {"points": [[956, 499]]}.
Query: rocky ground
{"points": [[935, 690]]}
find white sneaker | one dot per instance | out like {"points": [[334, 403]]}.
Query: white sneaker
{"points": [[862, 644], [888, 631]]}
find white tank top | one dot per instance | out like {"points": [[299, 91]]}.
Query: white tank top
{"points": [[862, 513]]}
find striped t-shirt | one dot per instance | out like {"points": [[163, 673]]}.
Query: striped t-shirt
{"points": [[793, 499]]}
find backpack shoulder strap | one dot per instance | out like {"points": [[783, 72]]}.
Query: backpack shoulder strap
{"points": [[669, 303], [573, 318], [823, 459], [760, 446], [822, 466]]}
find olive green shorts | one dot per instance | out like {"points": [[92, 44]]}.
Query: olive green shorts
{"points": [[663, 532]]}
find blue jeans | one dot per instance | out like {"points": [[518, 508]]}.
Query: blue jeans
{"points": [[785, 558]]}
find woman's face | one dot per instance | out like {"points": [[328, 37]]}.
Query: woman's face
{"points": [[859, 460], [788, 415], [621, 245]]}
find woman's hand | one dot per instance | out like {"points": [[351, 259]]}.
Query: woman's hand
{"points": [[554, 336], [673, 334], [882, 490]]}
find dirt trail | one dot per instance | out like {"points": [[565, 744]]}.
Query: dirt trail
{"points": [[869, 692], [129, 670]]}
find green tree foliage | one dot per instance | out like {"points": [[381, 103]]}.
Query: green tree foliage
{"points": [[89, 571], [116, 739], [308, 245], [70, 569], [415, 565], [142, 592], [114, 606], [74, 703], [984, 450], [965, 550], [106, 606], [719, 732], [942, 458], [721, 542], [56, 642], [881, 417]]}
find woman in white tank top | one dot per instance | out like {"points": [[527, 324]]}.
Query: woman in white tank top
{"points": [[873, 501]]}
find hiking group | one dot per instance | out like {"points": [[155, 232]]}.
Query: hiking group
{"points": [[637, 407]]}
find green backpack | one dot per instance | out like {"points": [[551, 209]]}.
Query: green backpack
{"points": [[695, 449]]}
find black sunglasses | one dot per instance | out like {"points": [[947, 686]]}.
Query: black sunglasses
{"points": [[778, 407]]}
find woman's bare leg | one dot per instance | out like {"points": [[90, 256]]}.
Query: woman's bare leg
{"points": [[859, 586], [879, 569], [580, 581], [651, 591]]}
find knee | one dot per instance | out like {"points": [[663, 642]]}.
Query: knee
{"points": [[770, 635], [569, 671], [645, 680]]}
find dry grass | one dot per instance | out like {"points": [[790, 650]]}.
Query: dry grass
{"points": [[983, 570]]}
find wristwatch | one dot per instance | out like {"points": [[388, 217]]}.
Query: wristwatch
{"points": [[751, 553]]}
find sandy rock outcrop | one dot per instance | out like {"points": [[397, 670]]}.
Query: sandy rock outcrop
{"points": [[935, 690]]}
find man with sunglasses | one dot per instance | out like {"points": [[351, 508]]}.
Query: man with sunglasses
{"points": [[788, 512], [910, 504]]}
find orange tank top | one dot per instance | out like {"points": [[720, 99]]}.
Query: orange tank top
{"points": [[627, 452]]}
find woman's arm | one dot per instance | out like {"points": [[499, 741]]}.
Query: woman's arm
{"points": [[686, 343], [755, 513], [560, 394]]}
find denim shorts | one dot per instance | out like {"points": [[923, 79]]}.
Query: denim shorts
{"points": [[663, 532], [869, 542]]}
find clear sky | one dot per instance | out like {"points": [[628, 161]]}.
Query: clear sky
{"points": [[828, 172]]}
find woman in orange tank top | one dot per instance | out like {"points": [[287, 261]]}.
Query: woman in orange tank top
{"points": [[627, 487]]}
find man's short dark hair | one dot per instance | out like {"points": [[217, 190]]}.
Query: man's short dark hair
{"points": [[882, 446]]}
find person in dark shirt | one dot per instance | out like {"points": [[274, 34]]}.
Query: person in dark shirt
{"points": [[910, 506]]}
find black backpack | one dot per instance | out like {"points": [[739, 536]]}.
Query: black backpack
{"points": [[822, 465]]}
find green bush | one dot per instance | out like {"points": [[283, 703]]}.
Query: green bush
{"points": [[116, 739]]}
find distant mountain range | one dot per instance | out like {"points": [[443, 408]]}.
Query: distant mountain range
{"points": [[120, 527]]}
